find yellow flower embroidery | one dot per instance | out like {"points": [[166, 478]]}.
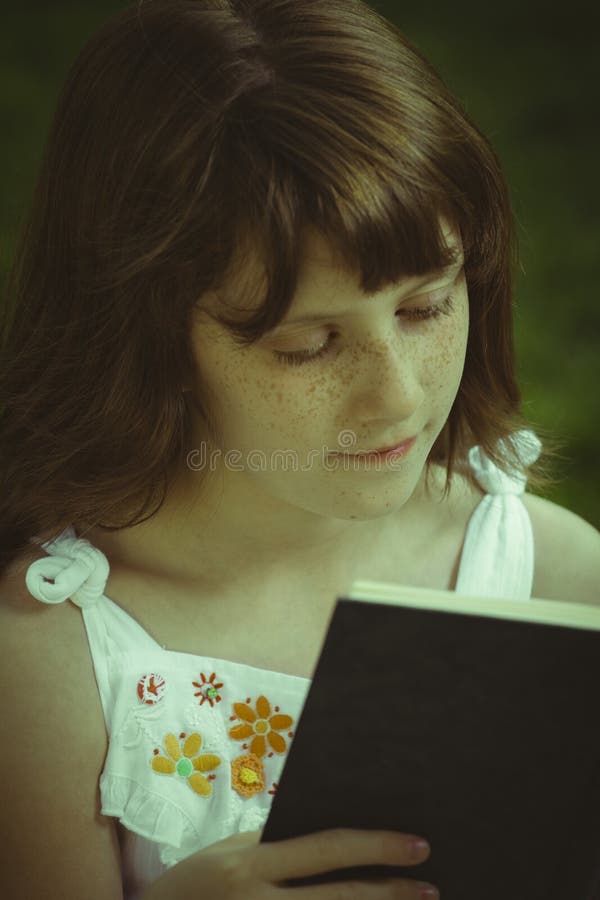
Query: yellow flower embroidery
{"points": [[262, 725], [247, 775], [185, 761]]}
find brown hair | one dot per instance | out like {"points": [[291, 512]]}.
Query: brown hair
{"points": [[190, 138]]}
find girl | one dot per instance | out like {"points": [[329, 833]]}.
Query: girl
{"points": [[265, 242]]}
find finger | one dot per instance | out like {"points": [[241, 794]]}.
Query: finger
{"points": [[384, 889], [240, 839], [335, 848]]}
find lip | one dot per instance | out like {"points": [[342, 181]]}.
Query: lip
{"points": [[402, 447]]}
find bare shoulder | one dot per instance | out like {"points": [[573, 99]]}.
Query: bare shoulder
{"points": [[31, 618], [52, 712], [567, 553]]}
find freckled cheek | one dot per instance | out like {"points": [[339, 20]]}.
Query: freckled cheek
{"points": [[451, 348], [250, 408], [439, 369], [453, 343], [260, 411], [293, 408]]}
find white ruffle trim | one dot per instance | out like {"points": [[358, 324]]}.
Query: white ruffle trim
{"points": [[253, 819], [148, 814], [158, 819]]}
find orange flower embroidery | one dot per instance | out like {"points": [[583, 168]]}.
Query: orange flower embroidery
{"points": [[209, 689], [247, 775], [151, 688], [262, 725], [184, 759]]}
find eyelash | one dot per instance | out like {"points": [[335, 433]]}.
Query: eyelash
{"points": [[419, 314]]}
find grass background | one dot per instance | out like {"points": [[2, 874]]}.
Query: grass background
{"points": [[529, 76]]}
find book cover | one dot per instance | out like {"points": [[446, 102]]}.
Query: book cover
{"points": [[471, 722]]}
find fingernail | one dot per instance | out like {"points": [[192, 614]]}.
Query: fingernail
{"points": [[428, 891], [419, 846]]}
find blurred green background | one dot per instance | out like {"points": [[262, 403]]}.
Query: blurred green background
{"points": [[530, 78]]}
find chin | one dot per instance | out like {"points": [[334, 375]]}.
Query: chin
{"points": [[364, 505]]}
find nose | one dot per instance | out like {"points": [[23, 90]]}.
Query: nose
{"points": [[387, 380]]}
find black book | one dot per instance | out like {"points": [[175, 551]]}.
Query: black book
{"points": [[472, 722]]}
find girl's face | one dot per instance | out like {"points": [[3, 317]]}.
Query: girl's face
{"points": [[384, 373]]}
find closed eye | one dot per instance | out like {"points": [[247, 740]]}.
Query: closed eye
{"points": [[417, 314]]}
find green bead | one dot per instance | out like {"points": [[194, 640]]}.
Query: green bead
{"points": [[184, 768]]}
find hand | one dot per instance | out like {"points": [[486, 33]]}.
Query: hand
{"points": [[241, 868]]}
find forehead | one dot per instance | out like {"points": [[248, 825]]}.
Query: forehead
{"points": [[244, 287]]}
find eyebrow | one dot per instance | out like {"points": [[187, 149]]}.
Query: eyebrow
{"points": [[323, 317]]}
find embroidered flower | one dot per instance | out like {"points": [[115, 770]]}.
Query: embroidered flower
{"points": [[185, 761], [209, 690], [247, 775], [262, 725], [151, 688], [138, 725]]}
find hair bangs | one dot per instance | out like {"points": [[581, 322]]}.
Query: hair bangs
{"points": [[400, 234], [354, 147]]}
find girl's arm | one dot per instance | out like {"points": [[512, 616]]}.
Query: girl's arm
{"points": [[55, 842]]}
